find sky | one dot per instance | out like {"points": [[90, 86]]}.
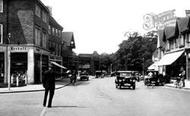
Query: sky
{"points": [[100, 25]]}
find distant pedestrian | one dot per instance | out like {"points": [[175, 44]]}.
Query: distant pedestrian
{"points": [[49, 85], [182, 74]]}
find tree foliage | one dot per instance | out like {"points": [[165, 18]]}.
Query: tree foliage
{"points": [[135, 52]]}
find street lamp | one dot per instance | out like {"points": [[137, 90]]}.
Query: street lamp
{"points": [[8, 61]]}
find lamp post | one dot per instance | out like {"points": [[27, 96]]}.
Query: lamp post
{"points": [[8, 61]]}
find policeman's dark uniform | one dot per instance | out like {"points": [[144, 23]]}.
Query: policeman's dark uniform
{"points": [[49, 85]]}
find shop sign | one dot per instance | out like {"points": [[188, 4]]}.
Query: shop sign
{"points": [[18, 49], [160, 21]]}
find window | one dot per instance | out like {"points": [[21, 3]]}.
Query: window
{"points": [[55, 32], [181, 41], [44, 40], [38, 11], [167, 45], [188, 37], [176, 42], [1, 5], [37, 36], [44, 17], [49, 31], [52, 31], [1, 33]]}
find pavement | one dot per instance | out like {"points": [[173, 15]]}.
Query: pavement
{"points": [[62, 82], [187, 85]]}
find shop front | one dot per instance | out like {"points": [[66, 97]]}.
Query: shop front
{"points": [[24, 61], [171, 64]]}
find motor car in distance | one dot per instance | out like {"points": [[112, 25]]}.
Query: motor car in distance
{"points": [[84, 76], [125, 79]]}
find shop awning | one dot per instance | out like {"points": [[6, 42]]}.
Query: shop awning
{"points": [[56, 64], [169, 58], [154, 66]]}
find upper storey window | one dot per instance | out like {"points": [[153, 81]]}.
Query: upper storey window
{"points": [[44, 17], [38, 11], [1, 5]]}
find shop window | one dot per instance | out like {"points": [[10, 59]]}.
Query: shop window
{"points": [[1, 33], [1, 5]]}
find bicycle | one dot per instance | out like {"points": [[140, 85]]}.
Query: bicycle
{"points": [[178, 82]]}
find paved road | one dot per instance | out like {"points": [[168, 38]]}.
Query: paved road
{"points": [[99, 97]]}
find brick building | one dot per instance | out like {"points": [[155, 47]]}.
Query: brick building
{"points": [[29, 38]]}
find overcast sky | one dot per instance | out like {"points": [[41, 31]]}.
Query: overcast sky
{"points": [[100, 25]]}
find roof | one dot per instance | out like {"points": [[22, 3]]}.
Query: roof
{"points": [[85, 55], [68, 37], [162, 38], [42, 4], [171, 32], [53, 22], [183, 24]]}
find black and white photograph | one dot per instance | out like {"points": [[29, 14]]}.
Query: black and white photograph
{"points": [[94, 57]]}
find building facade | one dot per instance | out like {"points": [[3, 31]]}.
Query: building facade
{"points": [[29, 39], [68, 46], [174, 48]]}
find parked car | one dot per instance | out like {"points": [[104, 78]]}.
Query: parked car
{"points": [[125, 79], [153, 78], [84, 76]]}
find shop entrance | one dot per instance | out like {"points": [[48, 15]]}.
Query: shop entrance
{"points": [[1, 67], [18, 67]]}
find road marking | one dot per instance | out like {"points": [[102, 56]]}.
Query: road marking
{"points": [[43, 112]]}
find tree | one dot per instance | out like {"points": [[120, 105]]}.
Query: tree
{"points": [[136, 51]]}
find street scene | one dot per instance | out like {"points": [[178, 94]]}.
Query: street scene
{"points": [[99, 97], [94, 58]]}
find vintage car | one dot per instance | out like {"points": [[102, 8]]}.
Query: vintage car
{"points": [[100, 74], [125, 79], [153, 78], [84, 76]]}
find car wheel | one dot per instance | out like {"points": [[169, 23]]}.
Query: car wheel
{"points": [[116, 86]]}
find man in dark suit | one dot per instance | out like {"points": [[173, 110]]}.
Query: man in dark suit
{"points": [[49, 85]]}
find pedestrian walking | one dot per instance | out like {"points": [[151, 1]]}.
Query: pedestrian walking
{"points": [[182, 74], [49, 85]]}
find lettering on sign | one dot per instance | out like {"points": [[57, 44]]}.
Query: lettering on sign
{"points": [[18, 48], [159, 21]]}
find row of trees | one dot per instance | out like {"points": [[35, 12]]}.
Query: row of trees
{"points": [[135, 53]]}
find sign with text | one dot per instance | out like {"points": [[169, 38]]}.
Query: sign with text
{"points": [[153, 21], [18, 49]]}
